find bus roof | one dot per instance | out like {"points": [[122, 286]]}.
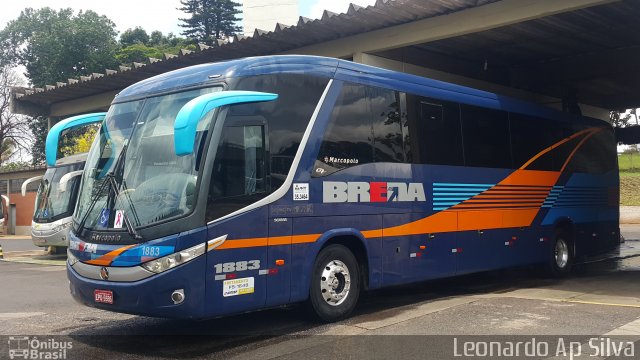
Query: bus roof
{"points": [[337, 69]]}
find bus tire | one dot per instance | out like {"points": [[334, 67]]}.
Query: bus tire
{"points": [[335, 283], [561, 255]]}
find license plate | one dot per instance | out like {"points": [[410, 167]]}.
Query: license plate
{"points": [[103, 296], [39, 241]]}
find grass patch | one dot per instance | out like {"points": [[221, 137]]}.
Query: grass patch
{"points": [[630, 188], [629, 162]]}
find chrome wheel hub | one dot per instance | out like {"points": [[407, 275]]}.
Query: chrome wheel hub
{"points": [[335, 282], [561, 254]]}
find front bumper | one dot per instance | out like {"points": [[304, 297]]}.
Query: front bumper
{"points": [[50, 238], [150, 296]]}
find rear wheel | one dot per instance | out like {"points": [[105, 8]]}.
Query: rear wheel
{"points": [[335, 284], [561, 258]]}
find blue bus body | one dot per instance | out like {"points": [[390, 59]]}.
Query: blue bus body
{"points": [[405, 216]]}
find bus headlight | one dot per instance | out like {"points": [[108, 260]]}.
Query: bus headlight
{"points": [[170, 261], [71, 260]]}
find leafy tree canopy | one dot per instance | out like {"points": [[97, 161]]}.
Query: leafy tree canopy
{"points": [[145, 46], [624, 118], [57, 45], [14, 135], [39, 128], [137, 35], [209, 19], [77, 141]]}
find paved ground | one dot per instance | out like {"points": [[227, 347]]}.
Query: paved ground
{"points": [[630, 214], [21, 249], [601, 298], [17, 243]]}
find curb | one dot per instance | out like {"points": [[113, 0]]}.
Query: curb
{"points": [[21, 260]]}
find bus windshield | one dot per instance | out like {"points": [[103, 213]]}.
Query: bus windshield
{"points": [[132, 173], [51, 203]]}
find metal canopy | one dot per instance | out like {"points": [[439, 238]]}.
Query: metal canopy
{"points": [[589, 55], [586, 55], [331, 26]]}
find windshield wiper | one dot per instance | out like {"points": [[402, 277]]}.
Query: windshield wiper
{"points": [[112, 188], [110, 179], [94, 200]]}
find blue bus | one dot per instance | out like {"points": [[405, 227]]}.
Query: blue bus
{"points": [[247, 184]]}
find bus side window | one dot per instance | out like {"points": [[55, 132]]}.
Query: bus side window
{"points": [[486, 137], [239, 177], [434, 133], [596, 155], [529, 137], [287, 117], [387, 128], [348, 139]]}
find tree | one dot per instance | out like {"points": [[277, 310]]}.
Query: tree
{"points": [[39, 128], [210, 19], [14, 132], [134, 36], [77, 141], [156, 38], [155, 48], [623, 118], [57, 45]]}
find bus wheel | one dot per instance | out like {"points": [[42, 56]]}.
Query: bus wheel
{"points": [[561, 259], [335, 285]]}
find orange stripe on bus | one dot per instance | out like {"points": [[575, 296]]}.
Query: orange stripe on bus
{"points": [[265, 241], [573, 152], [505, 200], [302, 239], [444, 221], [521, 188], [370, 234], [532, 177], [243, 243], [538, 155], [107, 258]]}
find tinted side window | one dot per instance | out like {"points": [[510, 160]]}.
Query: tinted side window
{"points": [[597, 155], [530, 136], [348, 137], [434, 130], [239, 177], [486, 137], [387, 129], [287, 117]]}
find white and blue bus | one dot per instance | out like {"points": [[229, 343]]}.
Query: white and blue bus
{"points": [[253, 183], [58, 190], [55, 202]]}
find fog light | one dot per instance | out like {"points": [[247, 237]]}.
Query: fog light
{"points": [[178, 296]]}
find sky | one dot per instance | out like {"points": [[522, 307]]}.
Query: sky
{"points": [[152, 15]]}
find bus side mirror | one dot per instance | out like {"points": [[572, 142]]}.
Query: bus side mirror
{"points": [[66, 177], [186, 123], [51, 145], [27, 182]]}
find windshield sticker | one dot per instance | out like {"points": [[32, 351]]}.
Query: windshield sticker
{"points": [[117, 223], [104, 217], [300, 192], [236, 287]]}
